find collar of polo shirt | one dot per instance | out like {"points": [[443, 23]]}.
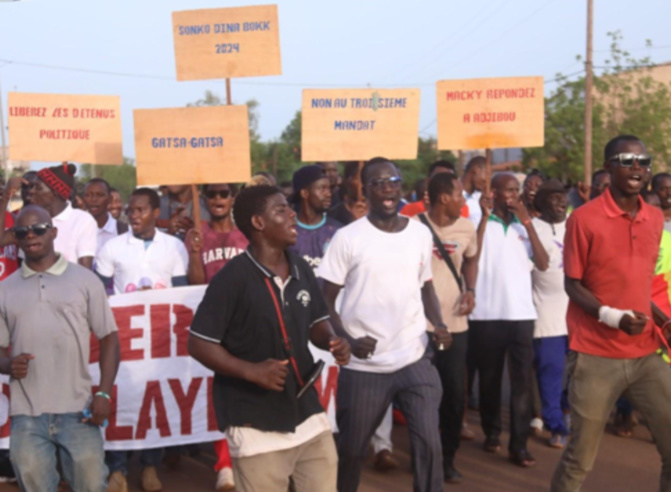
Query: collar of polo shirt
{"points": [[293, 268], [57, 268], [110, 225], [612, 210], [496, 218], [157, 239], [65, 213]]}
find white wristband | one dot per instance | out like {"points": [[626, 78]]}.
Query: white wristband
{"points": [[611, 317]]}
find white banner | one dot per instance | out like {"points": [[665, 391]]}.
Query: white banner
{"points": [[162, 397]]}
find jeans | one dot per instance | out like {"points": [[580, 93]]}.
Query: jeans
{"points": [[595, 384], [118, 460], [35, 442]]}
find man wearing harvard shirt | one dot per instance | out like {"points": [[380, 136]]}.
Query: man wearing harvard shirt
{"points": [[610, 250]]}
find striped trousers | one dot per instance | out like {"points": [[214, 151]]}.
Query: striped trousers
{"points": [[363, 398]]}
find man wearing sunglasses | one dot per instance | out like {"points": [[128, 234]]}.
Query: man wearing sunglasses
{"points": [[610, 251], [48, 310], [219, 240], [382, 263]]}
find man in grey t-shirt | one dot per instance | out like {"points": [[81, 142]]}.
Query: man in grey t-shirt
{"points": [[48, 310]]}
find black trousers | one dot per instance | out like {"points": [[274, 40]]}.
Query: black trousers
{"points": [[361, 402], [494, 340], [451, 365]]}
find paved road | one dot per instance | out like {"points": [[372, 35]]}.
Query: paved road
{"points": [[624, 465]]}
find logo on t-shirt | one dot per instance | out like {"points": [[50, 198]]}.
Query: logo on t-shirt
{"points": [[451, 247], [304, 297]]}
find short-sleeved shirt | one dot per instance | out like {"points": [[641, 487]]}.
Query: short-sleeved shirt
{"points": [[614, 257], [503, 291], [51, 315], [136, 265], [238, 311], [382, 274], [313, 240], [218, 248], [413, 208], [77, 234], [460, 240], [473, 203], [550, 297], [8, 255]]}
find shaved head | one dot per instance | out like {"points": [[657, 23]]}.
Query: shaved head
{"points": [[33, 212], [500, 180]]}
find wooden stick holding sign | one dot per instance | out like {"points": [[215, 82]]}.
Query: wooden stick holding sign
{"points": [[195, 210], [488, 171]]}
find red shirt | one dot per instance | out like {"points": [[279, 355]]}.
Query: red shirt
{"points": [[9, 262], [614, 256], [218, 248], [414, 208]]}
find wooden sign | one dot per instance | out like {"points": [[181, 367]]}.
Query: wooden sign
{"points": [[358, 124], [229, 42], [64, 127], [192, 145], [490, 113]]}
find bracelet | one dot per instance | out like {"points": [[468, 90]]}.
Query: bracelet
{"points": [[470, 289], [441, 325], [668, 322], [104, 395], [526, 222]]}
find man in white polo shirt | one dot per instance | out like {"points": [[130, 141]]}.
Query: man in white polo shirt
{"points": [[502, 323], [143, 258], [97, 197], [383, 264], [77, 231]]}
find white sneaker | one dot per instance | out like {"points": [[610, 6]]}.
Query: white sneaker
{"points": [[536, 426], [224, 480]]}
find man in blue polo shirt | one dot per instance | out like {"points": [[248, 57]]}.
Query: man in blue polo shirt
{"points": [[252, 329]]}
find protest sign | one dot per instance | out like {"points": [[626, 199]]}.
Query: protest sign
{"points": [[227, 42], [162, 397], [64, 127], [193, 145], [358, 124], [490, 113]]}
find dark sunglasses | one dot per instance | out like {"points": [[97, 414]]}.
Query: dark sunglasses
{"points": [[393, 181], [212, 194], [627, 160], [21, 232]]}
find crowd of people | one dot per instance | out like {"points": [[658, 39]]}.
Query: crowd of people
{"points": [[416, 298]]}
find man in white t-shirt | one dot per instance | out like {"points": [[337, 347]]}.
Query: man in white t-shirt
{"points": [[502, 322], [141, 259], [551, 301], [383, 263], [144, 257], [77, 231]]}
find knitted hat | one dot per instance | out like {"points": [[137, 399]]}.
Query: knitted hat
{"points": [[59, 178]]}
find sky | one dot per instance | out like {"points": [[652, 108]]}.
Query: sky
{"points": [[344, 44]]}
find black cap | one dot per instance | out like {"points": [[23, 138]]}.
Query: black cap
{"points": [[545, 190], [304, 177]]}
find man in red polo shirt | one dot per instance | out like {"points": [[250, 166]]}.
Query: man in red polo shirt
{"points": [[610, 250]]}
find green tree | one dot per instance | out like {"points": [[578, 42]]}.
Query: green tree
{"points": [[122, 177], [627, 99]]}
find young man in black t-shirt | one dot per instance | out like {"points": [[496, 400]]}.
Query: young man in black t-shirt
{"points": [[252, 329]]}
